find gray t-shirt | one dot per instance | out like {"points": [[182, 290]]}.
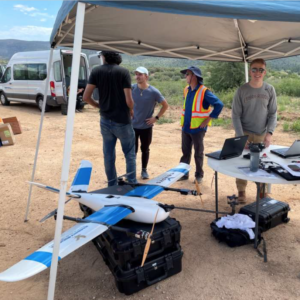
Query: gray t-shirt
{"points": [[254, 109], [144, 104]]}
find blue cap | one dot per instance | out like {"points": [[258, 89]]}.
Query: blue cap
{"points": [[195, 70]]}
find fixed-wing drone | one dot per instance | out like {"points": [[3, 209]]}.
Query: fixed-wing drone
{"points": [[107, 210]]}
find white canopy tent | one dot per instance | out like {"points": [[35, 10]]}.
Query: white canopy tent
{"points": [[237, 31]]}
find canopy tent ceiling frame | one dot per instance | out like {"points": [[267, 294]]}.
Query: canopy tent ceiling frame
{"points": [[68, 31]]}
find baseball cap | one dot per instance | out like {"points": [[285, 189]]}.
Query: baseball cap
{"points": [[142, 70], [195, 70]]}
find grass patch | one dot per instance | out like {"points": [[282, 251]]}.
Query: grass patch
{"points": [[295, 126], [222, 122], [286, 126], [164, 120]]}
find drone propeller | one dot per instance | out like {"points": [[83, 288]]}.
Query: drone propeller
{"points": [[198, 190], [149, 240], [52, 213]]}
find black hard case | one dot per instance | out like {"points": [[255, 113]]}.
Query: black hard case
{"points": [[154, 270], [271, 212], [126, 251]]}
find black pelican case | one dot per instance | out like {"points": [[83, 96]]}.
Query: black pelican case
{"points": [[154, 270], [271, 212], [127, 251]]}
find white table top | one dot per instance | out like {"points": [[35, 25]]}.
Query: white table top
{"points": [[230, 167]]}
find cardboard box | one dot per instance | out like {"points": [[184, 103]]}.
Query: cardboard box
{"points": [[14, 123], [6, 135]]}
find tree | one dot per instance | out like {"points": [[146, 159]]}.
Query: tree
{"points": [[222, 76]]}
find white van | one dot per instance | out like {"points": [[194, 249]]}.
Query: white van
{"points": [[25, 77]]}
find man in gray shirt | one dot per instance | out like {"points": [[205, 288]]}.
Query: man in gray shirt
{"points": [[145, 98], [254, 112]]}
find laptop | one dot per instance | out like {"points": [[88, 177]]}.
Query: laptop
{"points": [[294, 150], [232, 147]]}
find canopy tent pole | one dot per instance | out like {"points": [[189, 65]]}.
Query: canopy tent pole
{"points": [[80, 14], [246, 72], [40, 131]]}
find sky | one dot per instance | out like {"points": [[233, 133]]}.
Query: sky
{"points": [[28, 20]]}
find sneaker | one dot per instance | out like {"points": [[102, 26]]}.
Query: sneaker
{"points": [[242, 198], [184, 177], [144, 174], [199, 179]]}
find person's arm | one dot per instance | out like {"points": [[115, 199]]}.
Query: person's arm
{"points": [[211, 100], [164, 107], [87, 96], [236, 114], [272, 118], [129, 100]]}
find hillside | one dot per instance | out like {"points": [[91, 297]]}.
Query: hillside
{"points": [[10, 47]]}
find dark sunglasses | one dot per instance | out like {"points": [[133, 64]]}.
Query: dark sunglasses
{"points": [[260, 70]]}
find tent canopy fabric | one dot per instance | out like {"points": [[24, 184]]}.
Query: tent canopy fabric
{"points": [[206, 30]]}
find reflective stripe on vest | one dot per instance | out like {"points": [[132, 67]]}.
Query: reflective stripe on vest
{"points": [[199, 114]]}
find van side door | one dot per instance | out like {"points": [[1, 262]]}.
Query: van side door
{"points": [[19, 86]]}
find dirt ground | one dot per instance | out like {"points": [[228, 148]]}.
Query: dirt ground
{"points": [[210, 270]]}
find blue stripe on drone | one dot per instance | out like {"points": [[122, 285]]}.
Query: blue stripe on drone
{"points": [[41, 257], [82, 177], [110, 215], [146, 191], [184, 171]]}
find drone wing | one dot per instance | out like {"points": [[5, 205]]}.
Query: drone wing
{"points": [[71, 240], [155, 185]]}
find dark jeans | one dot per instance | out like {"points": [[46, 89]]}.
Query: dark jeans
{"points": [[187, 142], [111, 131], [145, 135]]}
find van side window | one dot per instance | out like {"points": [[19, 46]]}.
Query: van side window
{"points": [[37, 71], [57, 71], [30, 72], [7, 75], [20, 72]]}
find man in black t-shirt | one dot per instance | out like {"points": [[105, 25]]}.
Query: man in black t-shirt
{"points": [[116, 104]]}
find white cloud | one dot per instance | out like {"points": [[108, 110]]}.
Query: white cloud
{"points": [[43, 20], [24, 8], [32, 11], [27, 33]]}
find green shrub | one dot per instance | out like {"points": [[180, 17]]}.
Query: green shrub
{"points": [[286, 126], [226, 97], [295, 126]]}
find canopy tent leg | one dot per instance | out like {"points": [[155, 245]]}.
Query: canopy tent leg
{"points": [[80, 14], [246, 72], [40, 131]]}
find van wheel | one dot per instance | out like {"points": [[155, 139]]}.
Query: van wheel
{"points": [[3, 99], [40, 101], [64, 109]]}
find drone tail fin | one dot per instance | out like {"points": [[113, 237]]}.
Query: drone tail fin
{"points": [[82, 178]]}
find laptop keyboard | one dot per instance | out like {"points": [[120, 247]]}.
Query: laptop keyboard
{"points": [[215, 154]]}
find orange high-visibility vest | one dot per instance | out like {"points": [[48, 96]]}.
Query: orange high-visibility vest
{"points": [[199, 114]]}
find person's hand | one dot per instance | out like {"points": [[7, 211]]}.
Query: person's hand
{"points": [[151, 121], [131, 113], [80, 91], [204, 123], [247, 145], [268, 139]]}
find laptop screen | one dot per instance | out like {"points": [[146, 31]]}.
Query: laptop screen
{"points": [[234, 146]]}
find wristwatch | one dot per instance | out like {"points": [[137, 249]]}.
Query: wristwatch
{"points": [[157, 117]]}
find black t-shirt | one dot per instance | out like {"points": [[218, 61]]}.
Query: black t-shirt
{"points": [[110, 81]]}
